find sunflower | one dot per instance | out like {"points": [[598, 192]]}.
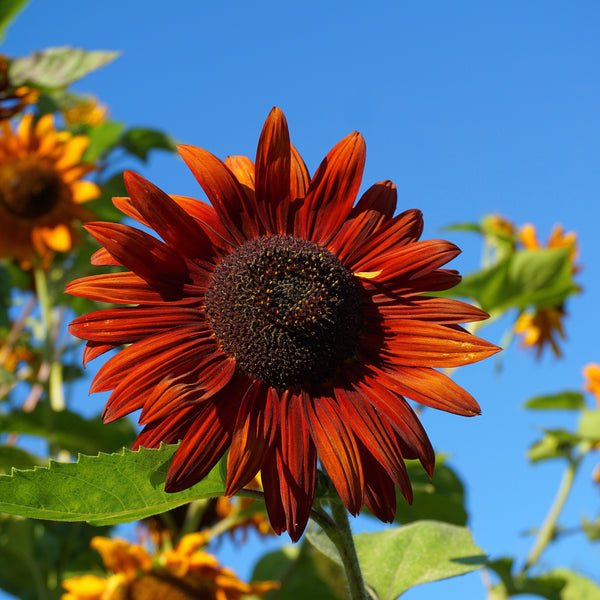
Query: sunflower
{"points": [[41, 190], [13, 99], [185, 573], [543, 326], [283, 323]]}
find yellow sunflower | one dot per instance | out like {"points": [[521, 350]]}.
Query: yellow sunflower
{"points": [[87, 112], [41, 190], [185, 573], [543, 326], [13, 99]]}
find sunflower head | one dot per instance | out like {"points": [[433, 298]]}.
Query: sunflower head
{"points": [[285, 322], [41, 190], [185, 573]]}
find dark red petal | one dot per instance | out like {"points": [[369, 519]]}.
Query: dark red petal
{"points": [[272, 489], [411, 343], [409, 262], [431, 388], [399, 414], [129, 324], [143, 254], [128, 288], [93, 350], [192, 382], [333, 189], [207, 439], [375, 207], [167, 431], [149, 351], [337, 449], [169, 220], [296, 461], [300, 178], [403, 229], [375, 433], [438, 310], [253, 435], [273, 175], [224, 192], [380, 492], [101, 258]]}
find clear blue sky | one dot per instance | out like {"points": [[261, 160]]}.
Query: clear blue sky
{"points": [[469, 107]]}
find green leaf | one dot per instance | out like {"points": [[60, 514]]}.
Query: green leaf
{"points": [[71, 431], [591, 528], [34, 555], [589, 425], [396, 560], [13, 456], [8, 11], [567, 400], [526, 278], [104, 490], [57, 67], [556, 443], [558, 584], [139, 141], [304, 573], [103, 138], [439, 499]]}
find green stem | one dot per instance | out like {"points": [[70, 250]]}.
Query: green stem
{"points": [[340, 534], [41, 288], [546, 531]]}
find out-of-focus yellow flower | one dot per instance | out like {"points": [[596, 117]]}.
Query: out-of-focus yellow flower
{"points": [[184, 573], [41, 189], [13, 99], [11, 357], [544, 326], [591, 373], [87, 112], [541, 328]]}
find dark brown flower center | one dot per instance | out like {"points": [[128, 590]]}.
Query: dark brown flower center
{"points": [[163, 586], [30, 187], [286, 309]]}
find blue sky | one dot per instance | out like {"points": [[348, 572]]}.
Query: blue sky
{"points": [[470, 108]]}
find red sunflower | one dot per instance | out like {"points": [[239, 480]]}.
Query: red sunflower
{"points": [[284, 323]]}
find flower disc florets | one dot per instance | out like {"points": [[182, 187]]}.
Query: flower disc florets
{"points": [[29, 189], [286, 309]]}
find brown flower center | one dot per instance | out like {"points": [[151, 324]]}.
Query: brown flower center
{"points": [[286, 309], [30, 187], [162, 586]]}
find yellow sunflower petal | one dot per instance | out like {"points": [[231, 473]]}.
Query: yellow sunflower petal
{"points": [[84, 191], [86, 587], [57, 238], [72, 151]]}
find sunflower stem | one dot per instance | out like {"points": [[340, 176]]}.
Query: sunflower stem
{"points": [[54, 382], [547, 530], [341, 536]]}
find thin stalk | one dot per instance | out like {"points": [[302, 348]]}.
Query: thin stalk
{"points": [[341, 536], [41, 288], [546, 531]]}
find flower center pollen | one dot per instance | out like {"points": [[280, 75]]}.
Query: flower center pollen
{"points": [[29, 189], [286, 309]]}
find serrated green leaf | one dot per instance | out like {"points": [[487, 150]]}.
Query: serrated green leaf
{"points": [[139, 141], [589, 425], [71, 431], [57, 67], [104, 490], [556, 443], [8, 11], [304, 573], [568, 400], [13, 456], [526, 278], [396, 560]]}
